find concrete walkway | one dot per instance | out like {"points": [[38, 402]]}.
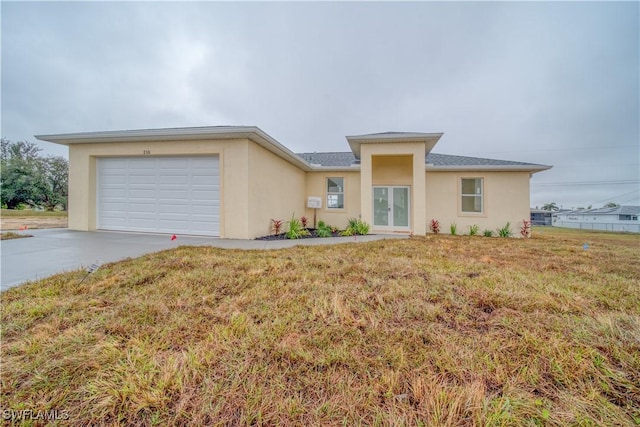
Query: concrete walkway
{"points": [[57, 250]]}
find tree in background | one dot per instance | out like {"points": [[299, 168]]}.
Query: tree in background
{"points": [[550, 207], [612, 205], [30, 179], [53, 183]]}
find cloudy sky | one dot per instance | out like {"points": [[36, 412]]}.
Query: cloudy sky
{"points": [[550, 83]]}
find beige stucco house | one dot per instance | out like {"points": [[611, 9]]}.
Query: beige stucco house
{"points": [[231, 181]]}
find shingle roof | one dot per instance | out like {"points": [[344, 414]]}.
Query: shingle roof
{"points": [[344, 159], [449, 160], [334, 159]]}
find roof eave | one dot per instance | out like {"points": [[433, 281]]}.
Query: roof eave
{"points": [[430, 140], [353, 168], [253, 133], [490, 168]]}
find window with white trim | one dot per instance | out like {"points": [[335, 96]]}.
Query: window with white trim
{"points": [[472, 195], [335, 193]]}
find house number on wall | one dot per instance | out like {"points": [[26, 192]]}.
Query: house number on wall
{"points": [[145, 152]]}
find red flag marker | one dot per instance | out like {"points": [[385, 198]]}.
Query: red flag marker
{"points": [[174, 237]]}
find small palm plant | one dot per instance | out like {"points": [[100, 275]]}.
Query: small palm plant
{"points": [[505, 231]]}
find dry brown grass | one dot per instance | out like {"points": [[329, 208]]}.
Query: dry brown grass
{"points": [[11, 219], [10, 235], [438, 330]]}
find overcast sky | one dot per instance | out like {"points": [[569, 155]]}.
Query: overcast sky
{"points": [[549, 83]]}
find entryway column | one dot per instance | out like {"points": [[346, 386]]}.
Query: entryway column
{"points": [[419, 193], [366, 185]]}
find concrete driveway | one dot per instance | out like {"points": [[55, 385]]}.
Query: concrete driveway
{"points": [[57, 250]]}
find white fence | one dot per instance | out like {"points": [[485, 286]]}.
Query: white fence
{"points": [[600, 226]]}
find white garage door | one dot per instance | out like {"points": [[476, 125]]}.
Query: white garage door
{"points": [[160, 194]]}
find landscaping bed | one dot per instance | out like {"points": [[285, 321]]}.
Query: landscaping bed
{"points": [[313, 233]]}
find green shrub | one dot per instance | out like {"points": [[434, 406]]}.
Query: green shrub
{"points": [[474, 230], [505, 231], [362, 228], [356, 226], [487, 233], [296, 230], [324, 230], [347, 232], [453, 228]]}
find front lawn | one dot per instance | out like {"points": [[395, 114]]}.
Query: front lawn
{"points": [[436, 330]]}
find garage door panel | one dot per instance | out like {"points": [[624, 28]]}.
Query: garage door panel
{"points": [[115, 164], [164, 194], [117, 178], [143, 207], [173, 179], [204, 210], [134, 163], [115, 206], [142, 194], [143, 179], [201, 162], [174, 208], [175, 162], [205, 180], [113, 193], [204, 219]]}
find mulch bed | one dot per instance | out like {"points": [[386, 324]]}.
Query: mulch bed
{"points": [[283, 236]]}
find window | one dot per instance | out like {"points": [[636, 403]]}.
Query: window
{"points": [[471, 195], [627, 217], [335, 193]]}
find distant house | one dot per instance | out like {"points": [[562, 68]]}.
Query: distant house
{"points": [[541, 217], [621, 218], [230, 181]]}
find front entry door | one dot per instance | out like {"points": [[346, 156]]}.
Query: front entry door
{"points": [[391, 207]]}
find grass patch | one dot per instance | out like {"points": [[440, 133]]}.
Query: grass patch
{"points": [[28, 213], [10, 235], [435, 330]]}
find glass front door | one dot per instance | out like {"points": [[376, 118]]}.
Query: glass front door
{"points": [[391, 207], [381, 206]]}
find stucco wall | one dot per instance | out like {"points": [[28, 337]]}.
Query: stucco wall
{"points": [[506, 199], [233, 177], [316, 185], [392, 170], [276, 190]]}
